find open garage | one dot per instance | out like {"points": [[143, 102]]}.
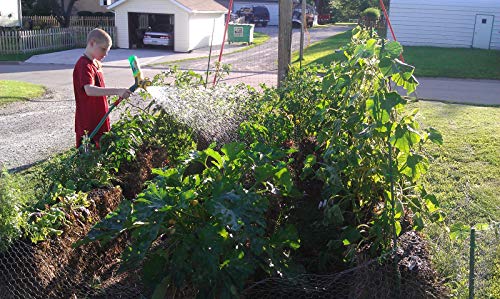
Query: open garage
{"points": [[142, 25], [191, 22]]}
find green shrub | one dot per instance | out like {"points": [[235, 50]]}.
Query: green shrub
{"points": [[85, 13], [12, 200], [371, 13]]}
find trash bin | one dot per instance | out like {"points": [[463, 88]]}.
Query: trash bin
{"points": [[240, 33]]}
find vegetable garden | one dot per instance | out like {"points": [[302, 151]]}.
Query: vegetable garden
{"points": [[310, 190]]}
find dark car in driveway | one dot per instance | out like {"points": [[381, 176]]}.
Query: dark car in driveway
{"points": [[255, 15]]}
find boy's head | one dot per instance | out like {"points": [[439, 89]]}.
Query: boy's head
{"points": [[98, 44]]}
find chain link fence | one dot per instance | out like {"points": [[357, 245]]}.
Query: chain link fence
{"points": [[257, 64], [55, 269], [375, 278]]}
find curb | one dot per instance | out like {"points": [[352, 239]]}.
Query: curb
{"points": [[11, 62]]}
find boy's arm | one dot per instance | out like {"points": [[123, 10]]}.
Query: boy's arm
{"points": [[95, 91]]}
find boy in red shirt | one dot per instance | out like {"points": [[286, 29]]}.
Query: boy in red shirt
{"points": [[89, 88]]}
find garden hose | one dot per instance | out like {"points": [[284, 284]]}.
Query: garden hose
{"points": [[140, 82]]}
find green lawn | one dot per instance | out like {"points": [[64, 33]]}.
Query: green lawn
{"points": [[12, 91], [428, 61], [25, 56], [322, 52], [464, 174], [454, 62], [14, 57]]}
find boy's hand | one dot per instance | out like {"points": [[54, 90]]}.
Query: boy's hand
{"points": [[124, 93]]}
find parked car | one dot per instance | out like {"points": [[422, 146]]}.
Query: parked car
{"points": [[159, 35], [297, 16], [255, 15]]}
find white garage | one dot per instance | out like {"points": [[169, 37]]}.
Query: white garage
{"points": [[192, 21], [447, 23]]}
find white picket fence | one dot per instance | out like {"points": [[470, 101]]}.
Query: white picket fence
{"points": [[32, 41], [75, 21]]}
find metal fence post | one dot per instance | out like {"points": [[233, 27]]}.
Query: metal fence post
{"points": [[472, 262]]}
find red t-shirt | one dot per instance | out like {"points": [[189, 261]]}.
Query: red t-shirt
{"points": [[89, 110]]}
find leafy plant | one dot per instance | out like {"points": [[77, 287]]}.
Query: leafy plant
{"points": [[12, 202], [366, 153], [47, 218], [212, 221]]}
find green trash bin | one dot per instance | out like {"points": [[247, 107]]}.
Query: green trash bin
{"points": [[240, 33]]}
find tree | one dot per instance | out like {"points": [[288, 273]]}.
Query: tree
{"points": [[343, 10], [60, 9]]}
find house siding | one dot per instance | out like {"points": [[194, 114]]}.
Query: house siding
{"points": [[89, 5], [10, 7], [444, 23], [181, 31]]}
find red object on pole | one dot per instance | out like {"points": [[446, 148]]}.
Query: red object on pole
{"points": [[230, 8], [390, 25]]}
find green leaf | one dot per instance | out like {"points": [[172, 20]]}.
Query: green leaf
{"points": [[231, 150], [434, 135], [393, 49], [481, 226], [285, 179], [459, 231], [216, 156], [404, 76], [412, 165], [397, 225], [350, 235], [404, 138]]}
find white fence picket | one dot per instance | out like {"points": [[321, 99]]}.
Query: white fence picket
{"points": [[31, 41]]}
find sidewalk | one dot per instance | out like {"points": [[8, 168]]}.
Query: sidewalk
{"points": [[463, 91], [119, 57]]}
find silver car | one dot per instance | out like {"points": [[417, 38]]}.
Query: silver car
{"points": [[159, 35]]}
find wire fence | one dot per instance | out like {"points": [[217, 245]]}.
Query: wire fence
{"points": [[55, 269], [259, 63]]}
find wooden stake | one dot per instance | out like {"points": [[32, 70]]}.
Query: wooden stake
{"points": [[285, 38]]}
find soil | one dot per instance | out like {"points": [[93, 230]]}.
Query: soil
{"points": [[133, 175], [54, 269]]}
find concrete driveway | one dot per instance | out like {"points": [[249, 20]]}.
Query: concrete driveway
{"points": [[118, 57]]}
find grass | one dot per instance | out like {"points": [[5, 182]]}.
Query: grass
{"points": [[25, 56], [13, 91], [323, 52], [454, 62], [15, 57], [428, 61], [258, 39], [465, 176]]}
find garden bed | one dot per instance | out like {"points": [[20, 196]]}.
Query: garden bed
{"points": [[317, 177]]}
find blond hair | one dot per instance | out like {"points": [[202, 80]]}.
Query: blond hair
{"points": [[99, 36]]}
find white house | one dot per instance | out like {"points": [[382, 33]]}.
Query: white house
{"points": [[10, 13], [447, 23], [193, 21]]}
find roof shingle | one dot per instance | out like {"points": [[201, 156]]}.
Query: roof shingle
{"points": [[202, 5]]}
